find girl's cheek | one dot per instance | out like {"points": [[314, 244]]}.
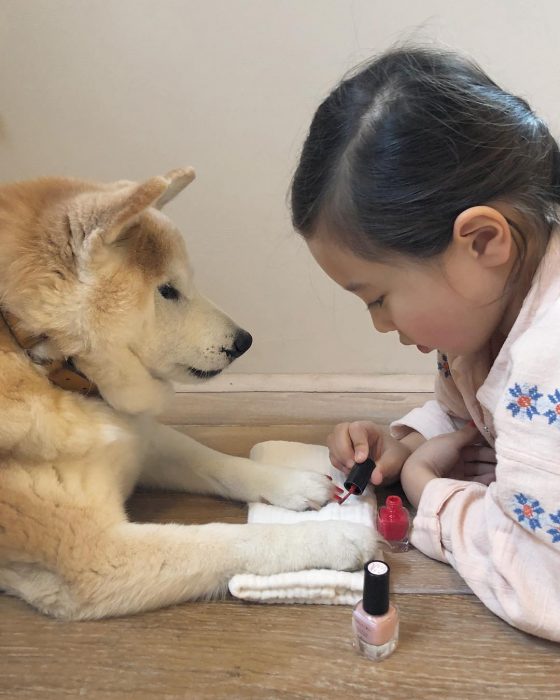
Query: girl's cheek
{"points": [[425, 330]]}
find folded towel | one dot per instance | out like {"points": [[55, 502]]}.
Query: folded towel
{"points": [[323, 586]]}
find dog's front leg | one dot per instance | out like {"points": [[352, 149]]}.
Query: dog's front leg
{"points": [[130, 567], [176, 461]]}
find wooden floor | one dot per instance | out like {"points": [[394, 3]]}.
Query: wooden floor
{"points": [[451, 646]]}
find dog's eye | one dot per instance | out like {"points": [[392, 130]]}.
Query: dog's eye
{"points": [[168, 291]]}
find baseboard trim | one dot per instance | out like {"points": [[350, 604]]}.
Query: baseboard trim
{"points": [[324, 383]]}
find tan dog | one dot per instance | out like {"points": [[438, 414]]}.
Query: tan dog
{"points": [[97, 274]]}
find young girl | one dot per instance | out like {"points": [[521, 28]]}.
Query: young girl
{"points": [[434, 196]]}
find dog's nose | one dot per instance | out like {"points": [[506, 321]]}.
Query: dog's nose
{"points": [[242, 342]]}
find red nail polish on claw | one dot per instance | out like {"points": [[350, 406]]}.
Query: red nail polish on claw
{"points": [[393, 523]]}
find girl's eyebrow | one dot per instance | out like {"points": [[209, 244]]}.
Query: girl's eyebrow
{"points": [[355, 287]]}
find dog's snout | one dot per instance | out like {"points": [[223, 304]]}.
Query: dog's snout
{"points": [[241, 343]]}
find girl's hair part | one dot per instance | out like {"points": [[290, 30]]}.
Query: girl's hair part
{"points": [[413, 138]]}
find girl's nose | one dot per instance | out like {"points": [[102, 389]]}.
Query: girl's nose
{"points": [[382, 323]]}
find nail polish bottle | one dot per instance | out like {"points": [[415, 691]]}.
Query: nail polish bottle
{"points": [[359, 476], [375, 620], [393, 523], [357, 480]]}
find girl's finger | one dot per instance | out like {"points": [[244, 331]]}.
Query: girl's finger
{"points": [[377, 476], [479, 468], [466, 436], [485, 479], [340, 445], [476, 453], [360, 436], [387, 467], [337, 464]]}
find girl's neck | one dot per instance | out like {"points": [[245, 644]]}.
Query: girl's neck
{"points": [[534, 253]]}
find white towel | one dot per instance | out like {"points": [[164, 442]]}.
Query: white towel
{"points": [[324, 586]]}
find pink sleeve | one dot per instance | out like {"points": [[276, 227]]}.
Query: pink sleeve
{"points": [[443, 415], [514, 573], [504, 539], [429, 420]]}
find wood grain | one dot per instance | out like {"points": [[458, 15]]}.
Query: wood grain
{"points": [[238, 439], [451, 647], [264, 408], [347, 383]]}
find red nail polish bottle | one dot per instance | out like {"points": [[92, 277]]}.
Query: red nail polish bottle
{"points": [[393, 523]]}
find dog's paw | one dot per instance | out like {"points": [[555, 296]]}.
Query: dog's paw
{"points": [[347, 546], [329, 544], [296, 490]]}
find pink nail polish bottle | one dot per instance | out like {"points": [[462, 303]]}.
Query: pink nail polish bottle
{"points": [[375, 620], [393, 524]]}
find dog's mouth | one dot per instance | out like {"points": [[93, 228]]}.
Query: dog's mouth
{"points": [[203, 373]]}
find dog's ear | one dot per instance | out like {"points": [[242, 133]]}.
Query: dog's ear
{"points": [[124, 205], [105, 216], [116, 210], [178, 179]]}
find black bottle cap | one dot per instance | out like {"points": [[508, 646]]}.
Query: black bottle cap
{"points": [[359, 476], [376, 587]]}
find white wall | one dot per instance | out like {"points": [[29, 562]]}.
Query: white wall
{"points": [[115, 89]]}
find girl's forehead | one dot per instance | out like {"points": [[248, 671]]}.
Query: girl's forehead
{"points": [[333, 258], [357, 274], [345, 267]]}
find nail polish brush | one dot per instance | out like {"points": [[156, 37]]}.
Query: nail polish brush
{"points": [[358, 479]]}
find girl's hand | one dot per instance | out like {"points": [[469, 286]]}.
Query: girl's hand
{"points": [[355, 442], [446, 456], [477, 463]]}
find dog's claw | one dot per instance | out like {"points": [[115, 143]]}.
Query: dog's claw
{"points": [[313, 504]]}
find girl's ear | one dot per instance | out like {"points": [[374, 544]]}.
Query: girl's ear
{"points": [[484, 233]]}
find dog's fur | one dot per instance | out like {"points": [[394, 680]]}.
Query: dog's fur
{"points": [[86, 266]]}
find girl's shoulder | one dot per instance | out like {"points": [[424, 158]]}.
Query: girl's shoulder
{"points": [[527, 422], [538, 346]]}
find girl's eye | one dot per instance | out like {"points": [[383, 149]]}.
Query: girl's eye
{"points": [[377, 302], [168, 291]]}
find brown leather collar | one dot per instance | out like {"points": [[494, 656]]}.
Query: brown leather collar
{"points": [[62, 373]]}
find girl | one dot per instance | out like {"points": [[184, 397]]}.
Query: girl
{"points": [[433, 195]]}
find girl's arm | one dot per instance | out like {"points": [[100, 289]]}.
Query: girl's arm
{"points": [[433, 459], [413, 440], [504, 539]]}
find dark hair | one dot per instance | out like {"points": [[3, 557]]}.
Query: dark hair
{"points": [[399, 149]]}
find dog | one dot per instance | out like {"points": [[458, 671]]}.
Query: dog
{"points": [[97, 295]]}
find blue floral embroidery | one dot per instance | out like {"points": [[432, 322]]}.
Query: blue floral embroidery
{"points": [[524, 403], [443, 366], [530, 511], [555, 526], [553, 414]]}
